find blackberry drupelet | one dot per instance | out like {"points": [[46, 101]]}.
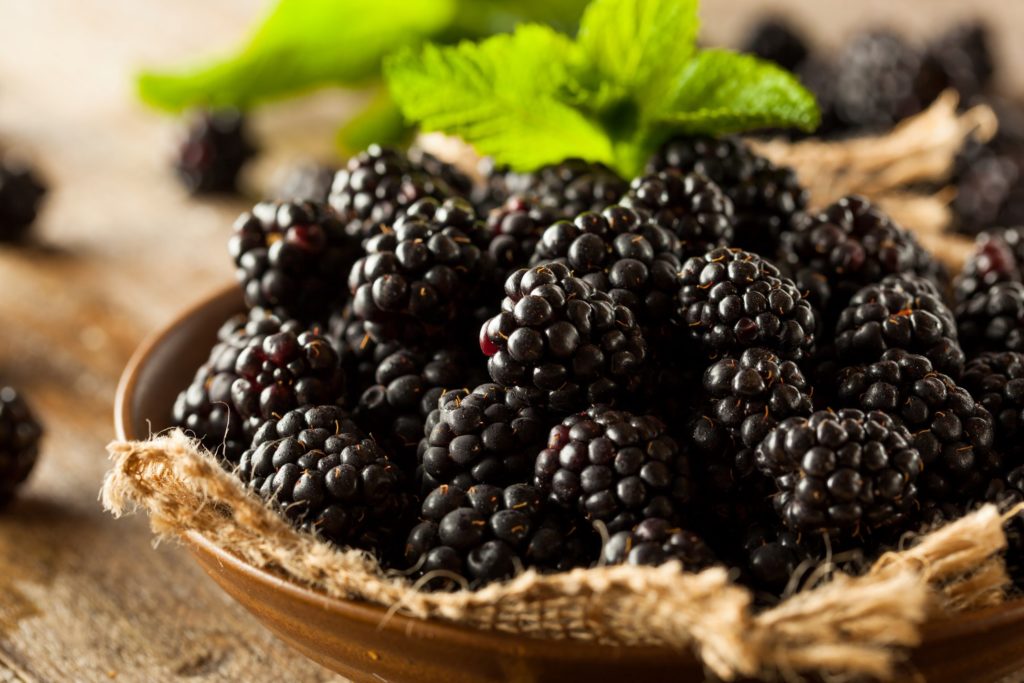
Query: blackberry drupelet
{"points": [[377, 184], [691, 207], [559, 343], [655, 541], [615, 467], [622, 253], [731, 300], [480, 437], [766, 198], [992, 319], [515, 228], [20, 433], [993, 260], [216, 147], [327, 478], [952, 432], [293, 258], [21, 192], [486, 533], [417, 278], [901, 312], [775, 39], [875, 81], [308, 181], [996, 381], [842, 473]]}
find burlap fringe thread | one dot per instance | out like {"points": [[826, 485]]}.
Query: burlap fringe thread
{"points": [[855, 625]]}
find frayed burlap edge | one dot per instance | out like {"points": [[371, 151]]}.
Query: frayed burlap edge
{"points": [[856, 625]]}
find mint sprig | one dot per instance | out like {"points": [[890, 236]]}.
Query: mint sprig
{"points": [[632, 79]]}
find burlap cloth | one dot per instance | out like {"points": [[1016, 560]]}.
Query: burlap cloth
{"points": [[836, 623]]}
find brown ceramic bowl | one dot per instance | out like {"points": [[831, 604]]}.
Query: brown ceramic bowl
{"points": [[357, 640]]}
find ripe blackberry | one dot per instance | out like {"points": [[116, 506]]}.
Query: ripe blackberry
{"points": [[993, 319], [731, 300], [293, 258], [417, 278], [996, 381], [951, 431], [560, 343], [486, 533], [655, 541], [621, 252], [775, 39], [772, 555], [901, 312], [379, 183], [570, 187], [215, 148], [847, 246], [746, 398], [480, 437], [844, 473], [986, 182], [21, 192], [961, 59], [875, 81], [766, 198], [308, 181], [327, 478], [691, 207], [615, 467], [994, 260], [1007, 492], [20, 433], [515, 227]]}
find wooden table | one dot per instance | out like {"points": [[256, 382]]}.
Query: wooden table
{"points": [[84, 597]]}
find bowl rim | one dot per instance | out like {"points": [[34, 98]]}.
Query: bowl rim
{"points": [[940, 629]]}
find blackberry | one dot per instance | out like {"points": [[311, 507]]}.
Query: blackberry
{"points": [[952, 432], [417, 278], [570, 187], [377, 184], [560, 343], [689, 206], [293, 258], [845, 473], [21, 192], [20, 434], [731, 300], [766, 198], [875, 81], [480, 437], [327, 478], [215, 148], [992, 261], [620, 252], [486, 533], [993, 319], [1007, 492], [615, 467], [515, 228], [847, 246], [655, 541], [771, 556], [986, 181], [901, 312], [775, 39], [961, 59], [746, 398], [308, 181], [996, 381]]}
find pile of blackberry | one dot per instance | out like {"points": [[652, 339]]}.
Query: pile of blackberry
{"points": [[562, 370]]}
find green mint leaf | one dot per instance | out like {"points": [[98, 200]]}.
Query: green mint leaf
{"points": [[502, 95], [302, 44], [379, 122], [721, 92]]}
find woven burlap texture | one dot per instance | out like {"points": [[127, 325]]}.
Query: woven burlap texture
{"points": [[853, 624]]}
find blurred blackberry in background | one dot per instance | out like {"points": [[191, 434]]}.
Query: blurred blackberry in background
{"points": [[731, 300], [215, 148], [308, 181], [655, 541], [515, 227], [21, 192], [765, 197], [691, 207], [293, 258], [992, 319], [486, 533], [327, 478], [960, 59], [952, 432], [875, 81], [996, 381], [774, 38], [20, 433], [615, 467], [571, 187], [985, 181], [900, 312], [992, 261], [844, 473], [418, 276], [561, 344], [480, 437]]}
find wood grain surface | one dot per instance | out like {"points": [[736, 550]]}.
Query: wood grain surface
{"points": [[84, 597]]}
